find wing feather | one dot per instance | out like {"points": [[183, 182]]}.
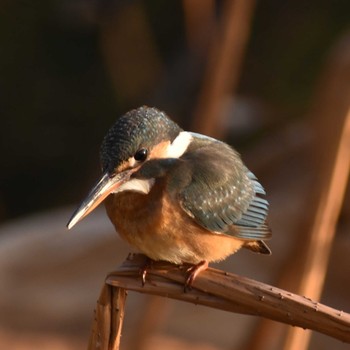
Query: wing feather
{"points": [[222, 195]]}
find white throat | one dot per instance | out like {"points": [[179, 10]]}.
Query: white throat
{"points": [[137, 185]]}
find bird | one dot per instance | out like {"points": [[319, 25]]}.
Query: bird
{"points": [[175, 195]]}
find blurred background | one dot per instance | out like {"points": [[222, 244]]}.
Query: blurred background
{"points": [[271, 78]]}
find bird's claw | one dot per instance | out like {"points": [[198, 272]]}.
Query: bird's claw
{"points": [[193, 272], [143, 273], [144, 270]]}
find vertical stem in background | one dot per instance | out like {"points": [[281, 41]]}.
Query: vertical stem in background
{"points": [[223, 67], [331, 121], [322, 232], [150, 322], [199, 23], [330, 164], [130, 52]]}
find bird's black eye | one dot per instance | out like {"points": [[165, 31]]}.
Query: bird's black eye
{"points": [[141, 155]]}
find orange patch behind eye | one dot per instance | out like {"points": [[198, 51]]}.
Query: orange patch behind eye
{"points": [[123, 166], [160, 151]]}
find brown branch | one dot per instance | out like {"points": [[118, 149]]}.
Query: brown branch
{"points": [[99, 337], [118, 307], [108, 320], [220, 290]]}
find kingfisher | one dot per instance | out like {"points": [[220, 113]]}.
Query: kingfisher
{"points": [[175, 195]]}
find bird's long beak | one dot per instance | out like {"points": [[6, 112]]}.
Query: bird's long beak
{"points": [[100, 191]]}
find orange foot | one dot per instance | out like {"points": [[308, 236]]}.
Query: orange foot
{"points": [[194, 272]]}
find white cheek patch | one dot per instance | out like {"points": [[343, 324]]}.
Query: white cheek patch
{"points": [[179, 145], [174, 150], [136, 185]]}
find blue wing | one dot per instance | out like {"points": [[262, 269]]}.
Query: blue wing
{"points": [[222, 195]]}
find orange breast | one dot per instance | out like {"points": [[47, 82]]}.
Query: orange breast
{"points": [[157, 226]]}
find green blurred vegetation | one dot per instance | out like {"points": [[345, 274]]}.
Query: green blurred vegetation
{"points": [[57, 97]]}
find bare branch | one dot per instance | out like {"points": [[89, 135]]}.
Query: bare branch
{"points": [[118, 310], [99, 337], [226, 291], [108, 320]]}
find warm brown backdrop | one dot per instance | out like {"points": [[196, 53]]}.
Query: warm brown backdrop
{"points": [[276, 88]]}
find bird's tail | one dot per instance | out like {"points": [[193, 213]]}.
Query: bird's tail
{"points": [[258, 247]]}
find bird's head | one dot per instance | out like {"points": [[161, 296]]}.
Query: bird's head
{"points": [[137, 137]]}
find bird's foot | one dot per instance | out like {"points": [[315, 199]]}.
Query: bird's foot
{"points": [[144, 270], [193, 272]]}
